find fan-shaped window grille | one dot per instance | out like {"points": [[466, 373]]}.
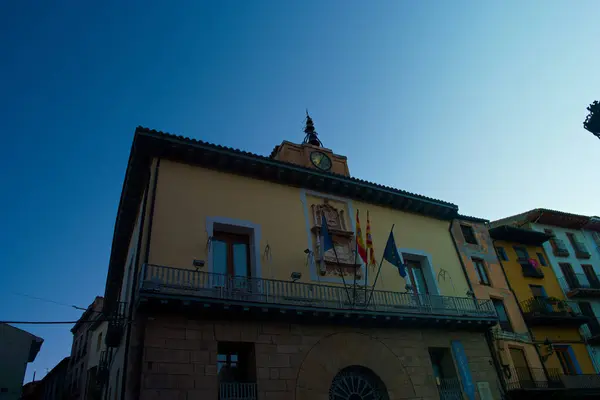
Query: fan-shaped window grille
{"points": [[357, 383]]}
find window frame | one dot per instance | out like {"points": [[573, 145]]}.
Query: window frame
{"points": [[470, 234], [542, 259], [501, 253], [481, 271], [508, 322]]}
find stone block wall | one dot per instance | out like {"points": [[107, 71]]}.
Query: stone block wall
{"points": [[298, 362]]}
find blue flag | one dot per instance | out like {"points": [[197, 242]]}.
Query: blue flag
{"points": [[327, 243], [390, 254]]}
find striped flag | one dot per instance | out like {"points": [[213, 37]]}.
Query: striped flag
{"points": [[370, 249], [360, 245]]}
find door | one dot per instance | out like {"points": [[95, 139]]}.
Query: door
{"points": [[569, 275], [521, 368], [539, 303], [417, 277], [231, 260], [567, 361], [591, 276]]}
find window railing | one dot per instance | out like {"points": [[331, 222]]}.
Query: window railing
{"points": [[551, 307], [449, 389], [176, 281], [591, 329], [237, 391], [534, 378], [501, 334], [579, 281]]}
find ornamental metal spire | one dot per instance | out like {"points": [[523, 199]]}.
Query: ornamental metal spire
{"points": [[311, 135]]}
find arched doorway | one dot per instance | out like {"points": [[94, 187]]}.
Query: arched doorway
{"points": [[357, 383]]}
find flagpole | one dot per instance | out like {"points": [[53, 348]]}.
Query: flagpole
{"points": [[341, 273], [368, 260], [377, 275], [354, 266]]}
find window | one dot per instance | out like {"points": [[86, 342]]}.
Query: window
{"points": [[522, 253], [580, 249], [530, 270], [501, 253], [468, 234], [558, 246], [99, 343], [231, 254], [542, 259], [567, 362], [482, 274], [502, 315], [443, 366], [569, 275], [236, 362], [591, 276], [521, 366]]}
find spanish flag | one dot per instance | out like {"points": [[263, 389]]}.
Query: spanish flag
{"points": [[360, 245], [370, 249]]}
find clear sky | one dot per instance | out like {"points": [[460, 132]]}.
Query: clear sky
{"points": [[479, 103]]}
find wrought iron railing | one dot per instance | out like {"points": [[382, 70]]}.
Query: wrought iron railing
{"points": [[533, 378], [551, 378], [187, 282], [579, 281], [237, 391], [551, 307], [501, 334], [449, 389], [590, 330]]}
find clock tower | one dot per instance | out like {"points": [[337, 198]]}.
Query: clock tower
{"points": [[311, 153]]}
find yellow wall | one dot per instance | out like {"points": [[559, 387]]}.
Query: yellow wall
{"points": [[187, 195], [581, 354], [520, 285], [518, 282]]}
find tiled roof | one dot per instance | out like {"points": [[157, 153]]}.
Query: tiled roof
{"points": [[142, 129]]}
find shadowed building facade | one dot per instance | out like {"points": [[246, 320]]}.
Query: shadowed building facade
{"points": [[217, 264], [512, 344]]}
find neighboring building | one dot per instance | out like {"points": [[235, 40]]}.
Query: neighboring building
{"points": [[77, 379], [17, 348], [96, 356], [552, 320], [217, 256], [573, 252], [513, 346], [54, 385]]}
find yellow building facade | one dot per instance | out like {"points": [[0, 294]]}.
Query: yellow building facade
{"points": [[220, 253], [552, 320]]}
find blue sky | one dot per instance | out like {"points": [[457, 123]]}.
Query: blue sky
{"points": [[477, 103]]}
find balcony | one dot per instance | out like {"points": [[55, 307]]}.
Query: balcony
{"points": [[299, 300], [535, 383], [530, 268], [551, 311], [579, 285], [237, 391], [501, 334], [116, 326], [591, 332]]}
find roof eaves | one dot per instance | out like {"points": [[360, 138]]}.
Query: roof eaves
{"points": [[254, 156]]}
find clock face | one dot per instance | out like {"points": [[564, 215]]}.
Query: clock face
{"points": [[320, 160]]}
